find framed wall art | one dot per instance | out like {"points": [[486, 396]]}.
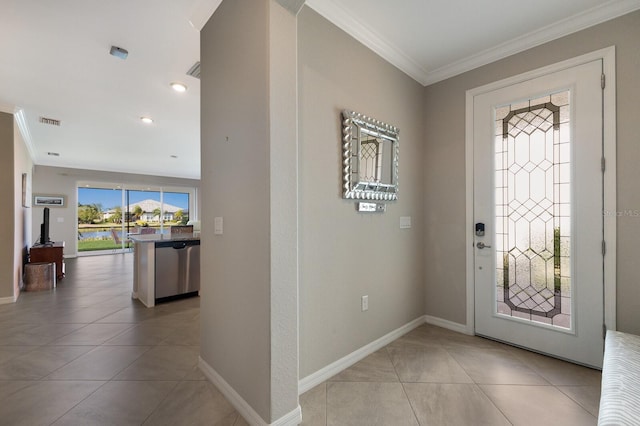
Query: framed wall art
{"points": [[49, 200]]}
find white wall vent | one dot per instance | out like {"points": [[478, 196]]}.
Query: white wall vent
{"points": [[49, 121], [194, 71]]}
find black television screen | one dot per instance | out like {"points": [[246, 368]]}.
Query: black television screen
{"points": [[44, 228]]}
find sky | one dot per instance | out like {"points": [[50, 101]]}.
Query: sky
{"points": [[110, 198]]}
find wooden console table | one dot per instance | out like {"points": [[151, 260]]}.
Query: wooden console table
{"points": [[50, 253]]}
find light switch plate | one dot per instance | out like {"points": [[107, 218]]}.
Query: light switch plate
{"points": [[405, 222], [217, 225], [365, 303]]}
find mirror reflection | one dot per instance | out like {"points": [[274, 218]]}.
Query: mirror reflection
{"points": [[373, 152], [370, 156]]}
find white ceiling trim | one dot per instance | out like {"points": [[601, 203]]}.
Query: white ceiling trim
{"points": [[21, 121], [350, 24], [202, 12], [604, 12], [292, 6]]}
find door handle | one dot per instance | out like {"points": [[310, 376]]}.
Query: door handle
{"points": [[482, 245]]}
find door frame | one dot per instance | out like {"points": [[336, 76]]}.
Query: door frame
{"points": [[609, 178]]}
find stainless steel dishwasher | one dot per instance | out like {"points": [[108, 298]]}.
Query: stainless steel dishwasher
{"points": [[177, 269]]}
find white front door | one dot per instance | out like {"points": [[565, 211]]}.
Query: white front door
{"points": [[538, 214]]}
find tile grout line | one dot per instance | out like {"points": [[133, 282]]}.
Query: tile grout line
{"points": [[177, 383], [493, 402], [79, 402], [404, 391], [573, 399]]}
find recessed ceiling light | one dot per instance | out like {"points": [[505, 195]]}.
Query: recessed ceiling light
{"points": [[178, 87], [147, 120]]}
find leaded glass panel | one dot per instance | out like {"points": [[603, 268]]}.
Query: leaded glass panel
{"points": [[533, 210]]}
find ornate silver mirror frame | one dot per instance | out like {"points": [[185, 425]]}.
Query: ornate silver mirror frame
{"points": [[369, 158]]}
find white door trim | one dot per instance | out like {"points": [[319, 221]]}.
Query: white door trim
{"points": [[609, 185]]}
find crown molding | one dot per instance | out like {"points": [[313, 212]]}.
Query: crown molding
{"points": [[292, 6], [602, 13], [21, 121], [201, 12], [344, 20], [340, 17]]}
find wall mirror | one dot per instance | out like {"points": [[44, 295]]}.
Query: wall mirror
{"points": [[369, 158]]}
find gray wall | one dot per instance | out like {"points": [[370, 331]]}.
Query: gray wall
{"points": [[235, 186], [64, 181], [7, 177], [22, 215], [444, 163], [249, 298], [15, 227], [345, 254]]}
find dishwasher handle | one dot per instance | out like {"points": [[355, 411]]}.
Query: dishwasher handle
{"points": [[179, 245]]}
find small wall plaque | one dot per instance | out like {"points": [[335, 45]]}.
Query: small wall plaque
{"points": [[371, 207]]}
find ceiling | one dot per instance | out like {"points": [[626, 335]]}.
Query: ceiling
{"points": [[56, 64], [434, 40]]}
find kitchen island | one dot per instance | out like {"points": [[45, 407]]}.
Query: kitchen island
{"points": [[166, 267]]}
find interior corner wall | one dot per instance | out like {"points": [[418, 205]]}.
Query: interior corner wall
{"points": [[235, 186], [64, 181], [7, 178], [444, 164], [344, 254], [23, 164]]}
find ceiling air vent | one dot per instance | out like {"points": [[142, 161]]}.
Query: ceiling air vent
{"points": [[194, 71], [49, 121]]}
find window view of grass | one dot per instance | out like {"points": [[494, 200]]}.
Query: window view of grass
{"points": [[92, 244], [108, 228]]}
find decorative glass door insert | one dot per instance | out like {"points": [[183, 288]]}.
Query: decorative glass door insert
{"points": [[538, 190], [533, 210]]}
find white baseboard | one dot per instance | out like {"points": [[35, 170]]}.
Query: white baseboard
{"points": [[290, 419], [312, 380], [293, 418], [449, 325], [334, 368], [10, 299]]}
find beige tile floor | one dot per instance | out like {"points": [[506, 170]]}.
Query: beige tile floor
{"points": [[433, 376], [86, 354]]}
